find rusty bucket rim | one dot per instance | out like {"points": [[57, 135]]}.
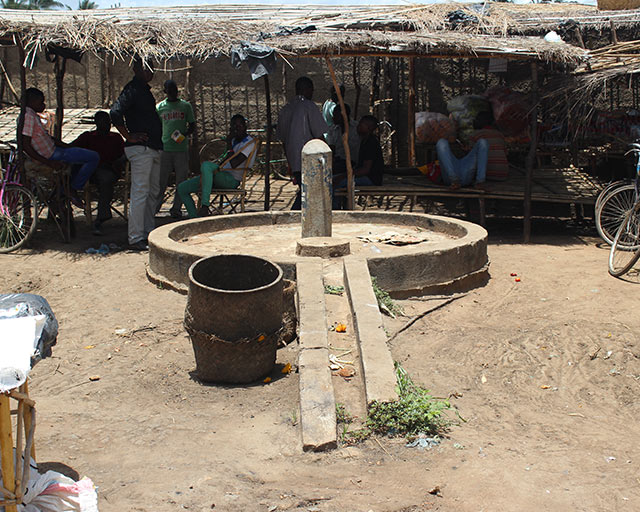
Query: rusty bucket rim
{"points": [[193, 281]]}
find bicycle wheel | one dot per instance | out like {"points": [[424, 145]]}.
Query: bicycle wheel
{"points": [[625, 250], [18, 217], [612, 210], [606, 190]]}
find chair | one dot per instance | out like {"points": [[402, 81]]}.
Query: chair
{"points": [[88, 197], [52, 188], [226, 196]]}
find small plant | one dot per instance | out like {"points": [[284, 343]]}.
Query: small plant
{"points": [[385, 302], [342, 415], [415, 412], [333, 290]]}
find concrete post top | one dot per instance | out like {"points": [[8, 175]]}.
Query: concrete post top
{"points": [[315, 146]]}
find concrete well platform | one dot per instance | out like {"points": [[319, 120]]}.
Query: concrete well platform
{"points": [[453, 254]]}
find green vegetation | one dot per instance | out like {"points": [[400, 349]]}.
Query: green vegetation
{"points": [[342, 415], [385, 302], [31, 5], [333, 290], [415, 411]]}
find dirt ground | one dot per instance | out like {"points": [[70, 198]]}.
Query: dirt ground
{"points": [[545, 373]]}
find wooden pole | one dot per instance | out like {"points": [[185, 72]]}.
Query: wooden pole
{"points": [[23, 104], [356, 85], [267, 153], [531, 156], [60, 69], [6, 448], [412, 111], [28, 419], [345, 135]]}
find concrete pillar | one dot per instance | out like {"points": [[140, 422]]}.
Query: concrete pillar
{"points": [[316, 189]]}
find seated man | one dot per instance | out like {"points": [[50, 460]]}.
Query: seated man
{"points": [[472, 168], [227, 174], [334, 140], [110, 146], [43, 148], [497, 163], [370, 165]]}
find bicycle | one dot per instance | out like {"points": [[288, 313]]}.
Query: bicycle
{"points": [[614, 202], [625, 249], [18, 206]]}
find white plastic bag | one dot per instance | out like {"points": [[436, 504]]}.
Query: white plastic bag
{"points": [[54, 492]]}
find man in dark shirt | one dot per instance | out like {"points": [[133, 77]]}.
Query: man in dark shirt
{"points": [[370, 166], [134, 116], [110, 147]]}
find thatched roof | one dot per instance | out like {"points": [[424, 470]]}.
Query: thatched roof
{"points": [[428, 30]]}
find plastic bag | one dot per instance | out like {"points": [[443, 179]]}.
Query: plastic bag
{"points": [[510, 110], [54, 492], [18, 305], [464, 110], [433, 126], [432, 171]]}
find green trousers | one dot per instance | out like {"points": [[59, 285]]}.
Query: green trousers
{"points": [[210, 176]]}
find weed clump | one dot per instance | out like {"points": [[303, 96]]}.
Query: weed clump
{"points": [[415, 412], [385, 302]]}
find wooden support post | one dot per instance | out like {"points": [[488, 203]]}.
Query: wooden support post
{"points": [[28, 418], [194, 147], [60, 69], [356, 85], [531, 156], [614, 34], [345, 135], [579, 37], [23, 104], [412, 111], [267, 153], [6, 450]]}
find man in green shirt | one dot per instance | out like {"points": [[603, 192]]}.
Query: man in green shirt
{"points": [[178, 122]]}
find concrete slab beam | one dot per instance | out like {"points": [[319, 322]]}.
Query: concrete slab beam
{"points": [[317, 401], [377, 363]]}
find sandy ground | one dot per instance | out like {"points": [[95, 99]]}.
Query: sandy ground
{"points": [[546, 373]]}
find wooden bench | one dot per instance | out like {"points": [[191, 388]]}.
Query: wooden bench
{"points": [[565, 186]]}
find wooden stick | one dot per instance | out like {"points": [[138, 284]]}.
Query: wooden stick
{"points": [[412, 111], [267, 153], [19, 453], [29, 447], [29, 423], [357, 87], [8, 82], [531, 156], [6, 450], [422, 315], [59, 71], [345, 135]]}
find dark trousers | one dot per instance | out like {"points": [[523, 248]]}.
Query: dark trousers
{"points": [[104, 178]]}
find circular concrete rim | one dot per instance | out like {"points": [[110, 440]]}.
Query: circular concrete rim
{"points": [[231, 292], [169, 259]]}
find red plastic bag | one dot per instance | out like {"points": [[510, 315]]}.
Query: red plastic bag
{"points": [[432, 171]]}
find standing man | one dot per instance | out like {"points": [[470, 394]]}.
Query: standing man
{"points": [[178, 122], [329, 106], [43, 148], [134, 116], [299, 121], [110, 146]]}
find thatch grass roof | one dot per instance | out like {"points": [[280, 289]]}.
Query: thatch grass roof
{"points": [[209, 31]]}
